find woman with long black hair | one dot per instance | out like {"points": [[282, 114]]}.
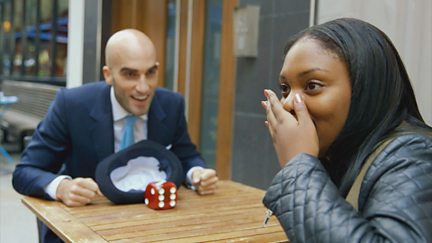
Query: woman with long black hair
{"points": [[348, 117]]}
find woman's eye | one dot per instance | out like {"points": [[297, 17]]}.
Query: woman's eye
{"points": [[313, 86], [285, 89]]}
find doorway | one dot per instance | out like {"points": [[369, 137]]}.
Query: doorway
{"points": [[192, 37]]}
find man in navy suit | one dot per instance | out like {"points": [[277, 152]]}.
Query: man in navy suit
{"points": [[84, 125]]}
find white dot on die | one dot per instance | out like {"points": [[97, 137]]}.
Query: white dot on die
{"points": [[146, 201], [161, 204], [152, 191], [173, 196], [172, 203], [173, 190]]}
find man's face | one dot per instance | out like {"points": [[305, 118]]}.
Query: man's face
{"points": [[133, 73]]}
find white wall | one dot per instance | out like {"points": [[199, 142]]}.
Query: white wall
{"points": [[74, 72], [408, 23]]}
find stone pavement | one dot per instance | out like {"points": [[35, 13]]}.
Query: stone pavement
{"points": [[17, 223]]}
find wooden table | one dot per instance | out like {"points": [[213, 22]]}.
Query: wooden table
{"points": [[234, 213]]}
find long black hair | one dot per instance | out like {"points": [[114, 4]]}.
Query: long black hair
{"points": [[382, 96]]}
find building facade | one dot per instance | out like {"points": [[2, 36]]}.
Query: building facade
{"points": [[219, 54]]}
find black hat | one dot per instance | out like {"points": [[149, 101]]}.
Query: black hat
{"points": [[143, 162]]}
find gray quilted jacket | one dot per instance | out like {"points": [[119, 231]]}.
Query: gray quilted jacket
{"points": [[395, 202]]}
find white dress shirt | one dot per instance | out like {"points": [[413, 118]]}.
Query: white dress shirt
{"points": [[119, 115]]}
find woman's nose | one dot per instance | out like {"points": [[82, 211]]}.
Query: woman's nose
{"points": [[288, 102]]}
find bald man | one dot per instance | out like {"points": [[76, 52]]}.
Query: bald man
{"points": [[84, 125]]}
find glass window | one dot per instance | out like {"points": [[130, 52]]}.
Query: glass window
{"points": [[210, 92], [34, 40], [170, 45], [6, 40]]}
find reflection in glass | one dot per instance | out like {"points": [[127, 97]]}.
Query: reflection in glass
{"points": [[170, 45], [6, 40], [210, 91], [31, 31], [17, 26]]}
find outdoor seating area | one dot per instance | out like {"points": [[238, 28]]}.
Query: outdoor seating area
{"points": [[224, 121], [21, 117], [14, 216]]}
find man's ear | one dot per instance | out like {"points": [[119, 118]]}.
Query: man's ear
{"points": [[107, 74]]}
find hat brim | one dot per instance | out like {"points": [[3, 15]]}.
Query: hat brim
{"points": [[169, 163]]}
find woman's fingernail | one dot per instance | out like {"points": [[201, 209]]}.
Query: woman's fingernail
{"points": [[298, 98]]}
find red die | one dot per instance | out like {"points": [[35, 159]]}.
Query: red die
{"points": [[161, 195]]}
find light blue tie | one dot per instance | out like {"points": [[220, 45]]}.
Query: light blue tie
{"points": [[128, 134]]}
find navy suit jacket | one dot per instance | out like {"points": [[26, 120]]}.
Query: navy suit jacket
{"points": [[77, 133]]}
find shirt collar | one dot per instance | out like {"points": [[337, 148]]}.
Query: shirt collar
{"points": [[118, 111]]}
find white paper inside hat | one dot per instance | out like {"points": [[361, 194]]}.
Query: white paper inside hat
{"points": [[137, 174]]}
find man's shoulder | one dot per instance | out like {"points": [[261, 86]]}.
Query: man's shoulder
{"points": [[89, 93], [93, 86], [89, 89], [166, 94]]}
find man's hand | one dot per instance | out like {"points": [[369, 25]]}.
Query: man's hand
{"points": [[77, 192], [204, 180]]}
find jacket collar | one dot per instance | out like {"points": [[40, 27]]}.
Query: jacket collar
{"points": [[156, 117], [101, 130]]}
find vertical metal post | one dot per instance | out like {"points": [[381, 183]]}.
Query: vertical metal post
{"points": [[2, 39], [12, 50], [54, 28], [92, 41], [23, 37], [188, 55], [313, 12], [176, 45], [75, 58], [37, 37]]}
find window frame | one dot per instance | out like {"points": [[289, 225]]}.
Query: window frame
{"points": [[55, 30]]}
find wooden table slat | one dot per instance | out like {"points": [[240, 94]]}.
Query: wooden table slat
{"points": [[212, 236], [174, 220], [233, 214], [65, 227], [186, 230]]}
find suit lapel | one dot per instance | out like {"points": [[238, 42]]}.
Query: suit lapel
{"points": [[102, 131], [156, 125]]}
